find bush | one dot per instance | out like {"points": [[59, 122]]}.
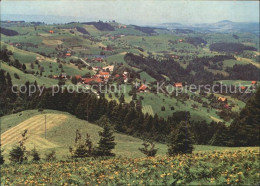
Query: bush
{"points": [[50, 156], [1, 156], [18, 153], [16, 76], [35, 155], [148, 149], [82, 148]]}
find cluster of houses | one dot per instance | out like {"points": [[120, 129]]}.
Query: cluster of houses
{"points": [[253, 85]]}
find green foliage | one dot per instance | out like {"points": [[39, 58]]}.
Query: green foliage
{"points": [[1, 156], [180, 141], [35, 155], [245, 129], [207, 168], [51, 156], [18, 153], [106, 143], [149, 149], [82, 148]]}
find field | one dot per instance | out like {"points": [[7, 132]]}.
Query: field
{"points": [[61, 129], [209, 168]]}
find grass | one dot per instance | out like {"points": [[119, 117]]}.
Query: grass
{"points": [[208, 168], [27, 77], [61, 129]]}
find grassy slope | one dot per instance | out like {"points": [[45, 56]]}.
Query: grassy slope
{"points": [[27, 77], [61, 135]]}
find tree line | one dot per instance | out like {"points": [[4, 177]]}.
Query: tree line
{"points": [[128, 118]]}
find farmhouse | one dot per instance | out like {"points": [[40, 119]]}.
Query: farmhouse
{"points": [[68, 54], [227, 106], [78, 77], [98, 59], [51, 31], [91, 80], [104, 75], [222, 99], [142, 88], [178, 85], [253, 82], [242, 88]]}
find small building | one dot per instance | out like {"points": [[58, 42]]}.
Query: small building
{"points": [[178, 85], [222, 99], [143, 88], [68, 54], [227, 106], [253, 82], [51, 31], [99, 59], [243, 88], [91, 80], [104, 75], [117, 76], [63, 75], [78, 77]]}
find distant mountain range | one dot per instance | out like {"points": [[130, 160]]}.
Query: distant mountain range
{"points": [[221, 26]]}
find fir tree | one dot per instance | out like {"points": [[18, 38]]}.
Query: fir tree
{"points": [[106, 143], [18, 153], [35, 155], [1, 156], [180, 141]]}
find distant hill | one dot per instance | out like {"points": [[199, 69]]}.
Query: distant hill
{"points": [[8, 32], [101, 26]]}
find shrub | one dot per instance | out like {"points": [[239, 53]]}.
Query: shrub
{"points": [[148, 149], [35, 155], [1, 156], [18, 153], [82, 148], [51, 156], [16, 76]]}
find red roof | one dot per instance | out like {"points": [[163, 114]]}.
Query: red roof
{"points": [[242, 87], [226, 106], [142, 87], [178, 84], [223, 99], [117, 75], [88, 80], [99, 59], [104, 73], [68, 54], [253, 82], [51, 31], [78, 77]]}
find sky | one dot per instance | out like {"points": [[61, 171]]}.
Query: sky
{"points": [[139, 12]]}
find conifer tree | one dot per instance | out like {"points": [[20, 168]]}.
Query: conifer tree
{"points": [[106, 143], [35, 155], [180, 141], [1, 156], [18, 153]]}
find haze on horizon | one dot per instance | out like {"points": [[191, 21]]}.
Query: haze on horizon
{"points": [[136, 12]]}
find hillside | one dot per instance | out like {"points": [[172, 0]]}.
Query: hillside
{"points": [[61, 128]]}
